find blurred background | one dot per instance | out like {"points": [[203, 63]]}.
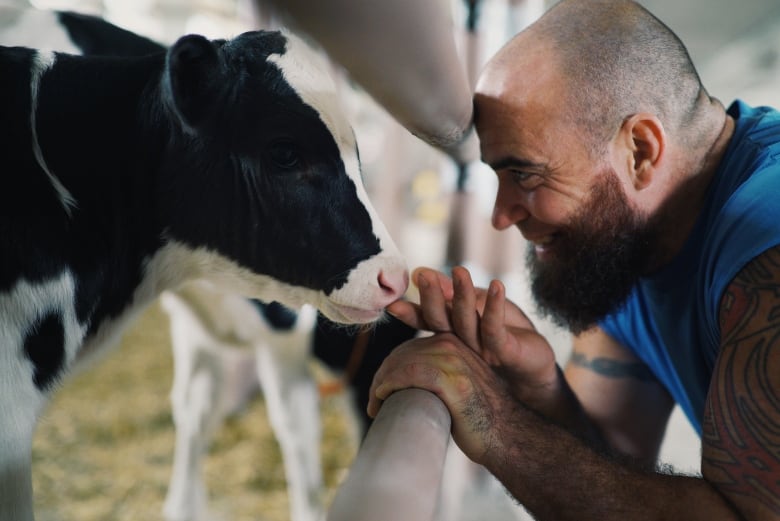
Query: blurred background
{"points": [[104, 447]]}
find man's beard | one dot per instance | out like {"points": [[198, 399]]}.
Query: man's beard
{"points": [[596, 262]]}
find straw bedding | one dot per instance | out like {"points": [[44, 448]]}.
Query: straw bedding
{"points": [[104, 446]]}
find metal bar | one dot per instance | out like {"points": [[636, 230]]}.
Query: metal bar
{"points": [[397, 472]]}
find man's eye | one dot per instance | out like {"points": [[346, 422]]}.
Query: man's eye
{"points": [[519, 175], [524, 179], [284, 154]]}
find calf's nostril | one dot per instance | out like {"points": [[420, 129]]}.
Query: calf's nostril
{"points": [[393, 284]]}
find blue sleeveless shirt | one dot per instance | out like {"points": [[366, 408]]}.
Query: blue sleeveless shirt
{"points": [[670, 320]]}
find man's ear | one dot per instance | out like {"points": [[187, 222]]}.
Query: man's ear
{"points": [[645, 136], [193, 74]]}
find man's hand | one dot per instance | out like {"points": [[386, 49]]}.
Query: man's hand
{"points": [[484, 356]]}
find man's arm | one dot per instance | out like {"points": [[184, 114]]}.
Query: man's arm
{"points": [[741, 429], [548, 468], [620, 395], [741, 441]]}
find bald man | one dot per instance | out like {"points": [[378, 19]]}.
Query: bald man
{"points": [[653, 219]]}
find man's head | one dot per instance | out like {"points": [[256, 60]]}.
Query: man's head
{"points": [[585, 117]]}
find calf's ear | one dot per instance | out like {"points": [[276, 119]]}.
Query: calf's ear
{"points": [[192, 74]]}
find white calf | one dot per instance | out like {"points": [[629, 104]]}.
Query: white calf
{"points": [[224, 347]]}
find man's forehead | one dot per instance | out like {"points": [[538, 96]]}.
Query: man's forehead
{"points": [[511, 104], [530, 132], [527, 76], [501, 135]]}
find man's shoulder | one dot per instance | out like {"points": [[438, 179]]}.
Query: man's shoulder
{"points": [[758, 126], [754, 150]]}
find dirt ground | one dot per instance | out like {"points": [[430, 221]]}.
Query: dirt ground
{"points": [[104, 447]]}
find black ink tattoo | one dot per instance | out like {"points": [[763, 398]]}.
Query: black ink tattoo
{"points": [[613, 368], [741, 427]]}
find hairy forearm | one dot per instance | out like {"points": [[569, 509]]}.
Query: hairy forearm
{"points": [[562, 408], [557, 476]]}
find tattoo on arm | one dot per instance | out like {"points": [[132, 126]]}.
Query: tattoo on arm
{"points": [[741, 428], [613, 368]]}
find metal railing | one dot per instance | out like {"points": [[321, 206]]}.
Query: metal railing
{"points": [[397, 473]]}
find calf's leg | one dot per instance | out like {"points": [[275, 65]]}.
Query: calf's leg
{"points": [[208, 385], [19, 403], [292, 400]]}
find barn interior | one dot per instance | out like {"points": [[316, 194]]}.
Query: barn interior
{"points": [[104, 447]]}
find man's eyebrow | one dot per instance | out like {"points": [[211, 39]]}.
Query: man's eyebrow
{"points": [[514, 162]]}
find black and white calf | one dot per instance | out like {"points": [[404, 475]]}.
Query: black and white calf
{"points": [[226, 161]]}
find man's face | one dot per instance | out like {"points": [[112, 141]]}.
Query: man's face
{"points": [[587, 243], [599, 256]]}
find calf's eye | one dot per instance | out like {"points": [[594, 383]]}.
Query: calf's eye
{"points": [[284, 154]]}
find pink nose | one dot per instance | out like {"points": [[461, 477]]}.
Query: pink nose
{"points": [[393, 284]]}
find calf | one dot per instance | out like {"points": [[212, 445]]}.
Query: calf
{"points": [[224, 161], [225, 348]]}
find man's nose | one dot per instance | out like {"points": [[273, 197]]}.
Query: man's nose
{"points": [[508, 210]]}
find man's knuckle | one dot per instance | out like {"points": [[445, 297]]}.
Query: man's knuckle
{"points": [[462, 384]]}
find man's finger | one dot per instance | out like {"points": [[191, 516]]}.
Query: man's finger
{"points": [[465, 318], [445, 283], [434, 306], [409, 313], [493, 328]]}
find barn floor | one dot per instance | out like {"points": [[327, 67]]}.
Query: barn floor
{"points": [[104, 447]]}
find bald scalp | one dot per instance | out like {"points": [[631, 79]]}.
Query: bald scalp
{"points": [[617, 59]]}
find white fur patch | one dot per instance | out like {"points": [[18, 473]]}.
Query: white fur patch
{"points": [[22, 308], [177, 263], [42, 62]]}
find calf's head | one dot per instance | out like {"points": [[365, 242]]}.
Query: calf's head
{"points": [[278, 202]]}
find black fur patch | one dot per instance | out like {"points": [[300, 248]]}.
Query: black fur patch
{"points": [[45, 347], [278, 316]]}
